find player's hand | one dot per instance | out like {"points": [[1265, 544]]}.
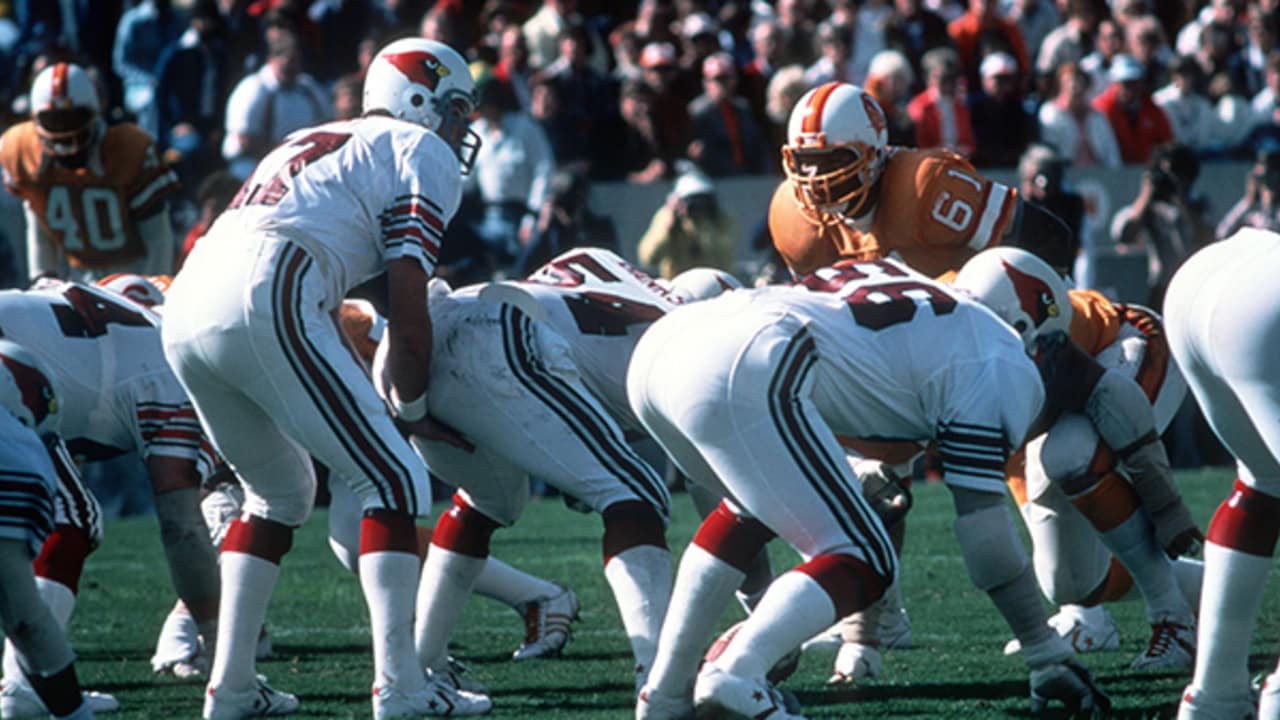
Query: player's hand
{"points": [[1070, 683], [428, 428]]}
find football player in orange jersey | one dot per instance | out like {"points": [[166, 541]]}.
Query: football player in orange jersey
{"points": [[1096, 480], [850, 195], [95, 196]]}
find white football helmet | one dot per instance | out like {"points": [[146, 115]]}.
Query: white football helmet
{"points": [[26, 390], [65, 109], [835, 149], [702, 283], [428, 83], [1019, 287], [147, 291]]}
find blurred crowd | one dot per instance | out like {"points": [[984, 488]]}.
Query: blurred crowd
{"points": [[573, 92]]}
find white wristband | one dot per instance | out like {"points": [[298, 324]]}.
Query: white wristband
{"points": [[411, 411]]}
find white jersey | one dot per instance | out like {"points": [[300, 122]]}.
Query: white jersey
{"points": [[355, 194], [28, 485], [115, 390], [601, 305], [902, 357]]}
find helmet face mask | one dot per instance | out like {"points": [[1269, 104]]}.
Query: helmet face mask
{"points": [[836, 139]]}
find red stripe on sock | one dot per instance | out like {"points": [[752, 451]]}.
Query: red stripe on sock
{"points": [[629, 524], [259, 537], [383, 530], [1247, 521], [62, 556], [850, 582], [464, 530], [732, 538]]}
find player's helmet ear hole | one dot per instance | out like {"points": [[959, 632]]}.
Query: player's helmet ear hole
{"points": [[416, 100], [1020, 326]]}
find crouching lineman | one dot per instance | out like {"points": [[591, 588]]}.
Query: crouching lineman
{"points": [[533, 374], [28, 480], [746, 393], [1222, 311], [1098, 481], [118, 395]]}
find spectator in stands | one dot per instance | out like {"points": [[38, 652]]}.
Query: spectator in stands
{"points": [[1042, 180], [1002, 124], [889, 81], [1265, 107], [785, 90], [1070, 125], [588, 97], [1137, 123], [735, 20], [689, 230], [766, 43], [340, 28], [640, 157], [798, 31], [726, 139], [1263, 34], [940, 114], [547, 108], [1190, 115], [1069, 42], [512, 169], [145, 31], [271, 103], [1260, 206], [565, 221], [914, 30], [1217, 12], [700, 40], [191, 92], [544, 32], [670, 111], [1036, 19], [1168, 220], [1108, 43], [1219, 54], [846, 53], [981, 30], [513, 64], [347, 98], [1145, 42]]}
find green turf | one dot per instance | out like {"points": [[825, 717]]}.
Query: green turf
{"points": [[320, 630]]}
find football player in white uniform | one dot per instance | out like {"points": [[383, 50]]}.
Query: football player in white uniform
{"points": [[746, 394], [250, 332], [533, 373], [29, 419], [1222, 312], [118, 395], [1097, 481]]}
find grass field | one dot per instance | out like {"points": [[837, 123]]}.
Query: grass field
{"points": [[320, 630]]}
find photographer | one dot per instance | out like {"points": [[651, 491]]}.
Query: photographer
{"points": [[1260, 206], [1168, 218], [1042, 175], [690, 230]]}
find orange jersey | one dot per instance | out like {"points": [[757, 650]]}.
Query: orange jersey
{"points": [[1095, 320], [933, 210], [90, 213]]}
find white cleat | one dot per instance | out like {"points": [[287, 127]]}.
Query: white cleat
{"points": [[1088, 629], [854, 662], [19, 700], [651, 705], [717, 690], [546, 625], [262, 700], [1172, 647], [1269, 698], [457, 676], [437, 699], [1196, 705]]}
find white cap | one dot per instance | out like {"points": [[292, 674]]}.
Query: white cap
{"points": [[698, 24], [692, 183], [998, 63], [1124, 68]]}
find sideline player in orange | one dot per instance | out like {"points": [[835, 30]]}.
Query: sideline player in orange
{"points": [[95, 196]]}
